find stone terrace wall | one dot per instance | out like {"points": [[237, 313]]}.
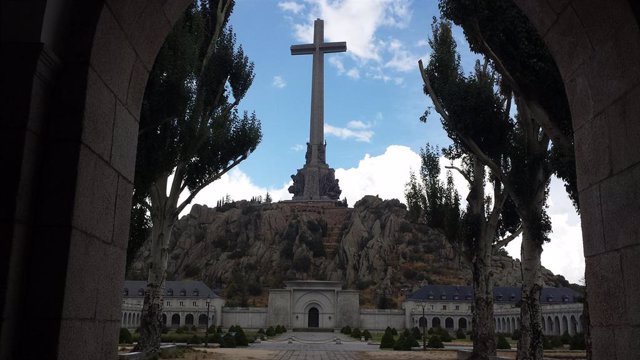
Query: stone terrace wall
{"points": [[376, 319], [252, 318]]}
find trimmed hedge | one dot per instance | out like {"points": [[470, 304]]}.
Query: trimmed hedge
{"points": [[125, 336], [502, 343], [387, 341], [435, 342]]}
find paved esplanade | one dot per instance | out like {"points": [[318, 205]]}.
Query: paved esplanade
{"points": [[315, 346], [316, 180]]}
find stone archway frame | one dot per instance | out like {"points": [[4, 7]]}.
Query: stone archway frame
{"points": [[318, 299], [596, 46]]}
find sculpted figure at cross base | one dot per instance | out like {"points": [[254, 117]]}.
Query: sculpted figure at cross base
{"points": [[316, 181]]}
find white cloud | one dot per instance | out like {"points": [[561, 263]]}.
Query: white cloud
{"points": [[298, 147], [353, 73], [356, 22], [291, 6], [401, 59], [383, 175], [355, 129], [239, 186], [278, 82], [357, 124]]}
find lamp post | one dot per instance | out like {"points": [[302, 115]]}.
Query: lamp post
{"points": [[423, 322], [206, 331]]}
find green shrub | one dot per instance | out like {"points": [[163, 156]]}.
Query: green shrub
{"points": [[401, 343], [271, 331], [216, 338], [416, 333], [240, 337], [394, 332], [195, 339], [435, 342], [515, 335], [228, 341], [125, 337], [502, 343], [346, 330], [578, 342], [261, 331], [366, 334], [355, 333], [551, 342], [193, 328], [443, 334], [232, 329], [460, 334], [565, 338], [219, 329], [387, 340]]}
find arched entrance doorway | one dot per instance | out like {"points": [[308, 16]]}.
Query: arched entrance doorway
{"points": [[313, 320]]}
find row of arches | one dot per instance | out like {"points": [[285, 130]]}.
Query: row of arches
{"points": [[507, 324], [557, 325], [132, 319], [551, 325], [448, 323]]}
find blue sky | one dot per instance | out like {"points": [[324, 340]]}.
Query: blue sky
{"points": [[373, 101]]}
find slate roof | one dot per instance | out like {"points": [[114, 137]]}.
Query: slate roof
{"points": [[500, 294], [176, 289]]}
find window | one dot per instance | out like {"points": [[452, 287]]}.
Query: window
{"points": [[168, 303], [432, 307], [457, 307], [126, 292], [444, 307], [499, 297], [183, 292], [196, 292], [550, 298], [140, 292], [181, 303], [456, 297], [430, 296], [468, 297], [195, 303], [443, 297], [170, 292]]}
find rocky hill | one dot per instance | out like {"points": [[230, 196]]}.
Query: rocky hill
{"points": [[245, 248]]}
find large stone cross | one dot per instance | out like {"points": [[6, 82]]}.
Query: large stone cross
{"points": [[318, 48]]}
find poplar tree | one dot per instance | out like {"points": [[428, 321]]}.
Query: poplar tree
{"points": [[475, 111], [190, 134]]}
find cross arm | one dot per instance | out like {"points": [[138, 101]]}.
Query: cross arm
{"points": [[332, 47], [302, 49]]}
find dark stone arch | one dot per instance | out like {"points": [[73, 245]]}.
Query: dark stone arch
{"points": [[175, 320], [556, 325], [164, 319], [448, 323], [594, 42], [462, 323], [596, 45], [188, 320], [435, 322], [422, 322]]}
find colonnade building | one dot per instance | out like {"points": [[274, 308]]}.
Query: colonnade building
{"points": [[450, 307], [186, 303], [325, 305]]}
